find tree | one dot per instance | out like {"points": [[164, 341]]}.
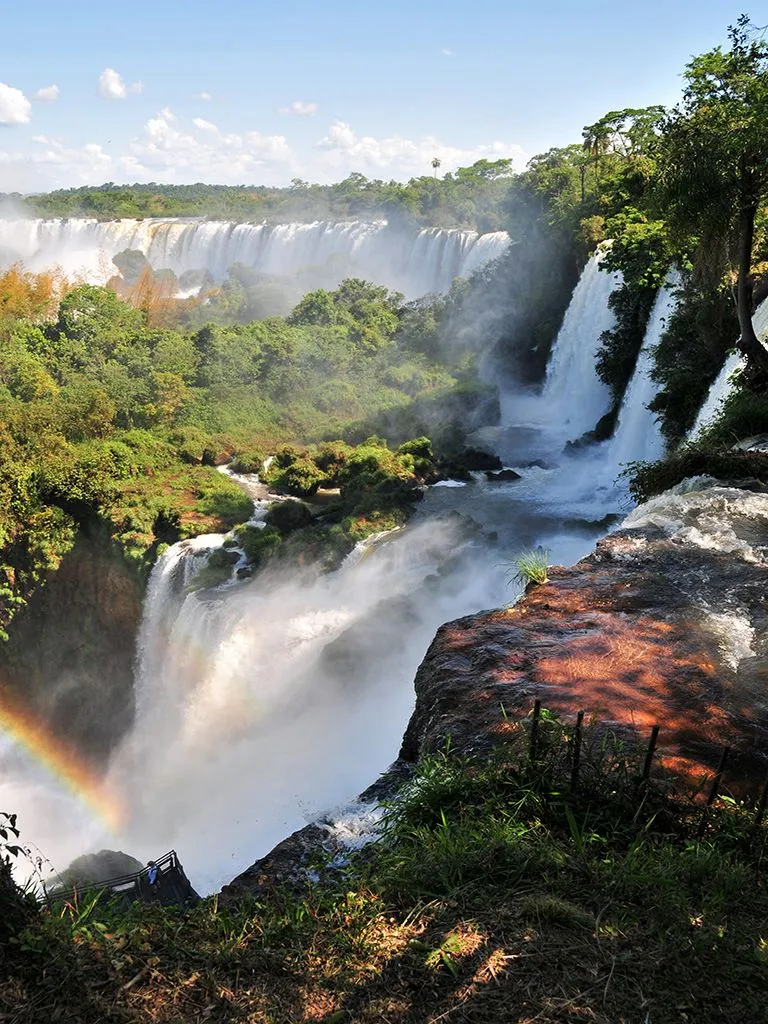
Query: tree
{"points": [[436, 161], [713, 162]]}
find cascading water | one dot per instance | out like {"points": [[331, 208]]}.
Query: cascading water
{"points": [[725, 380], [574, 397], [638, 436], [321, 253], [717, 394], [263, 703]]}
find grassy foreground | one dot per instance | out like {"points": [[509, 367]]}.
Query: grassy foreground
{"points": [[495, 894]]}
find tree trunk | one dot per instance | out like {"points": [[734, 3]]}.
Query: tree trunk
{"points": [[749, 343]]}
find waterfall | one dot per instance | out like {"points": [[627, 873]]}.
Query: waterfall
{"points": [[321, 254], [638, 436], [261, 704], [723, 384], [573, 394], [719, 390]]}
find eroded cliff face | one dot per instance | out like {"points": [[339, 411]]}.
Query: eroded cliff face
{"points": [[665, 623], [69, 658]]}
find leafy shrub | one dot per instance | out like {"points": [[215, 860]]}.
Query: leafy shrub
{"points": [[287, 516], [248, 460], [257, 544]]}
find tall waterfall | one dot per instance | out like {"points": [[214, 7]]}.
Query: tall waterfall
{"points": [[638, 436], [261, 704], [724, 382], [323, 253], [573, 394]]}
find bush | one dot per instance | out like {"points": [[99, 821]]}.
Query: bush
{"points": [[287, 516], [293, 472], [257, 544], [248, 460]]}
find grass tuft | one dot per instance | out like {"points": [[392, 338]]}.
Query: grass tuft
{"points": [[529, 566]]}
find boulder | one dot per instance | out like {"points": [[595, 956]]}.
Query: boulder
{"points": [[503, 475]]}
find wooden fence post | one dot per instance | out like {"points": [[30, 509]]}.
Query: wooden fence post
{"points": [[576, 751], [535, 730], [649, 754]]}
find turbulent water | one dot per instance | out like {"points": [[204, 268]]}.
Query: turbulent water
{"points": [[264, 703], [321, 254]]}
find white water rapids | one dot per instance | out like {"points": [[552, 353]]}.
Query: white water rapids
{"points": [[320, 254], [265, 703]]}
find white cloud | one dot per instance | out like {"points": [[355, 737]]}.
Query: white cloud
{"points": [[300, 109], [14, 106], [183, 150], [203, 125], [48, 94], [447, 53], [205, 153], [204, 96], [342, 151], [112, 85]]}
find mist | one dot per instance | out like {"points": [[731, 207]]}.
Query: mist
{"points": [[319, 254]]}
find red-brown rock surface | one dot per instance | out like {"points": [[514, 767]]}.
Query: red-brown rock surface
{"points": [[663, 624]]}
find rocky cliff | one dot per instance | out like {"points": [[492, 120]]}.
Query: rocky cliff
{"points": [[665, 623], [69, 657]]}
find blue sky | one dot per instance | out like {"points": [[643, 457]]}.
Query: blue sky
{"points": [[254, 92]]}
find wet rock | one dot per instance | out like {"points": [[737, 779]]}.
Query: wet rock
{"points": [[503, 475], [660, 625], [70, 655], [757, 443], [314, 854], [471, 460]]}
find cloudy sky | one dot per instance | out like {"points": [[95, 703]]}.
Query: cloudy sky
{"points": [[248, 92]]}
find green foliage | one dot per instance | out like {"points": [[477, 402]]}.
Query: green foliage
{"points": [[620, 346], [483, 861], [248, 460], [530, 566], [287, 516], [469, 197], [690, 355], [713, 165], [293, 472], [258, 544]]}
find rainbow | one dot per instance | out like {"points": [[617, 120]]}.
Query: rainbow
{"points": [[61, 761]]}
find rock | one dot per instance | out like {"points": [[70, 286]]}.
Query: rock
{"points": [[313, 854], [659, 626], [71, 651], [585, 441], [458, 467], [502, 475]]}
